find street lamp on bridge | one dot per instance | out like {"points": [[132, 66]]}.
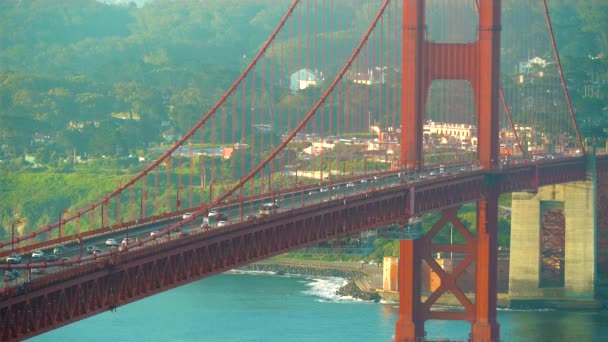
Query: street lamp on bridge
{"points": [[178, 202], [211, 190], [142, 207], [60, 219], [13, 234]]}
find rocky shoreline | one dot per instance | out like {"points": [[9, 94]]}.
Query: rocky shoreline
{"points": [[364, 282], [355, 276]]}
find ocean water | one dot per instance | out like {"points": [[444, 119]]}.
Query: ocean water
{"points": [[258, 306]]}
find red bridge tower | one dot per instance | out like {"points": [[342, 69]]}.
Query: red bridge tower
{"points": [[423, 62]]}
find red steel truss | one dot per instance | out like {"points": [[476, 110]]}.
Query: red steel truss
{"points": [[480, 65], [82, 291]]}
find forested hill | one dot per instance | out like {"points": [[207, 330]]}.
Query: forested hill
{"points": [[85, 60], [90, 38], [166, 61]]}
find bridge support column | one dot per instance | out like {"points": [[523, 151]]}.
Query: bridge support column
{"points": [[553, 244], [485, 327], [410, 324], [602, 217], [414, 89]]}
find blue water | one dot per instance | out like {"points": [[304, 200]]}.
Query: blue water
{"points": [[263, 307]]}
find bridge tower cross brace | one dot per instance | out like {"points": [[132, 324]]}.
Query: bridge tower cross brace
{"points": [[420, 67]]}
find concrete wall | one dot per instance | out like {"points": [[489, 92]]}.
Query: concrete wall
{"points": [[579, 211]]}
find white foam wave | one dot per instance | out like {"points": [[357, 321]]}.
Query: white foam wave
{"points": [[523, 310], [325, 289], [236, 271]]}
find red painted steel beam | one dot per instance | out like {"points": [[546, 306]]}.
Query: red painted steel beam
{"points": [[485, 327], [80, 292], [413, 91], [487, 99], [410, 324]]}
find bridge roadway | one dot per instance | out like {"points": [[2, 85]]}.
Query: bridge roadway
{"points": [[140, 228], [116, 278]]}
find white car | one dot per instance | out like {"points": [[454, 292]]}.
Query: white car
{"points": [[186, 216], [154, 233], [212, 213], [111, 242], [127, 241], [37, 254], [222, 223], [59, 249], [324, 189], [13, 259], [350, 184], [93, 250]]}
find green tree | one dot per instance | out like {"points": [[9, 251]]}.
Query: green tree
{"points": [[594, 15]]}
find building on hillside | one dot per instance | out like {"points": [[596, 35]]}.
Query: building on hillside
{"points": [[303, 79], [41, 139], [526, 67], [317, 148], [465, 133], [79, 125], [376, 75], [227, 152]]}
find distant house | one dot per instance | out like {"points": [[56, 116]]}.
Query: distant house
{"points": [[372, 76], [40, 139], [318, 147], [79, 125], [303, 79], [227, 152], [224, 152], [526, 66]]}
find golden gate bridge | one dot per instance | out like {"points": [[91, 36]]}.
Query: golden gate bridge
{"points": [[351, 116]]}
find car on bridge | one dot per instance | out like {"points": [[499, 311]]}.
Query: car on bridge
{"points": [[112, 242], [186, 216], [13, 259], [52, 258], [222, 223], [37, 254], [268, 208], [59, 249], [93, 249], [127, 241]]}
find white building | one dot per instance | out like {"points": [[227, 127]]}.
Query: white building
{"points": [[303, 79], [462, 132], [526, 67], [372, 76]]}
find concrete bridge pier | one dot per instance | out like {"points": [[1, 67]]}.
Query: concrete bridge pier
{"points": [[553, 246]]}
